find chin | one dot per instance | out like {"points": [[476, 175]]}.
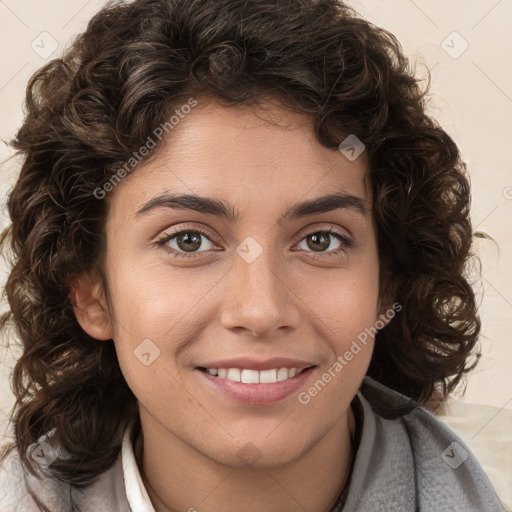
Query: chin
{"points": [[259, 453]]}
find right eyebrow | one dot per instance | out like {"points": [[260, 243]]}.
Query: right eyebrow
{"points": [[190, 202]]}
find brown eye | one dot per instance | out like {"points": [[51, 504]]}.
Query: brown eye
{"points": [[186, 242], [189, 241], [318, 242], [322, 241]]}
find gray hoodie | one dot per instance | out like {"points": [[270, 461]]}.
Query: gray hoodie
{"points": [[410, 463]]}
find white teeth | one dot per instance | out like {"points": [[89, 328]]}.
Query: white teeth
{"points": [[234, 374], [282, 374], [268, 376], [254, 376], [250, 376]]}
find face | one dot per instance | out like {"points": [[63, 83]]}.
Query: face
{"points": [[251, 276]]}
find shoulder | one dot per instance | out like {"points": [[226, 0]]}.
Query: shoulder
{"points": [[15, 483], [415, 459], [107, 492]]}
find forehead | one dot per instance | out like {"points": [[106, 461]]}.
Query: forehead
{"points": [[259, 155]]}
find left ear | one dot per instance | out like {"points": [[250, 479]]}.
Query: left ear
{"points": [[88, 297]]}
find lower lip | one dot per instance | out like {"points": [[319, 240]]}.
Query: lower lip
{"points": [[258, 394]]}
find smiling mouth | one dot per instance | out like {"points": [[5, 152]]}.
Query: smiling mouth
{"points": [[247, 376]]}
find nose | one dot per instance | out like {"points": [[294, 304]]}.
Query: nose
{"points": [[259, 298]]}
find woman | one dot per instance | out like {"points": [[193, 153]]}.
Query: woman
{"points": [[239, 247]]}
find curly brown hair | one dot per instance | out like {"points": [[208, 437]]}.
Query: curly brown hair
{"points": [[88, 111]]}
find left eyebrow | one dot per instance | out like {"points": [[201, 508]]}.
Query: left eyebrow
{"points": [[325, 204], [219, 208]]}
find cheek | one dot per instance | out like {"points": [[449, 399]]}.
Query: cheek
{"points": [[151, 298], [346, 314], [158, 312], [152, 313], [345, 301]]}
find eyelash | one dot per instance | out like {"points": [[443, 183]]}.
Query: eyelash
{"points": [[346, 242]]}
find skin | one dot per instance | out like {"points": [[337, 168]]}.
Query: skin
{"points": [[295, 300]]}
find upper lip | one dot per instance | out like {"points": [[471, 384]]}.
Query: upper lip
{"points": [[254, 364]]}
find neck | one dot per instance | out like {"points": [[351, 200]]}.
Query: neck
{"points": [[193, 482]]}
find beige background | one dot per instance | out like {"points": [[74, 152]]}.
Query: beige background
{"points": [[466, 45]]}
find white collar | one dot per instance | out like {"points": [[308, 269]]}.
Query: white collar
{"points": [[136, 493]]}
